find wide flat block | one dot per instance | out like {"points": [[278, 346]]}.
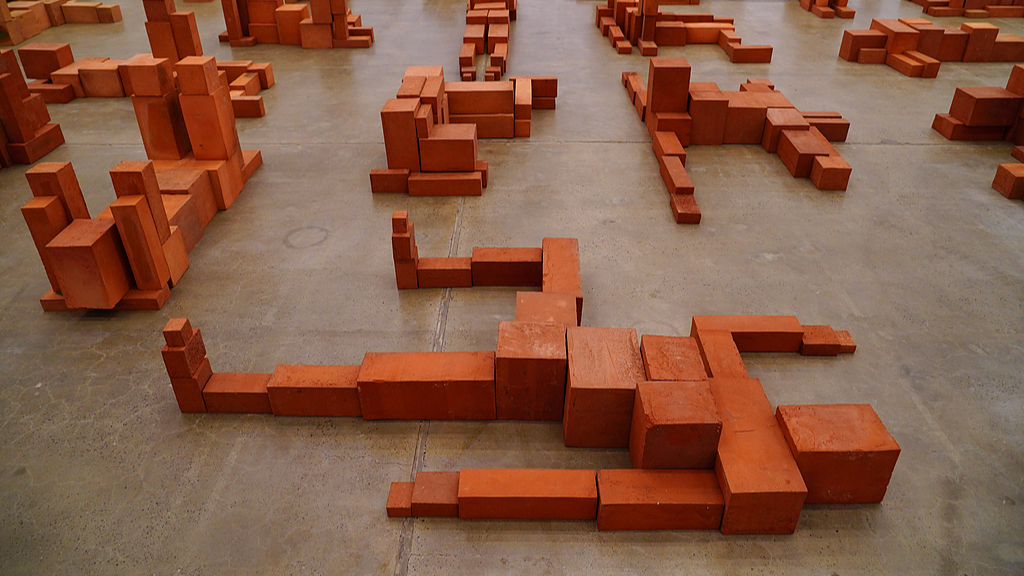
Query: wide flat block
{"points": [[449, 148], [604, 368], [242, 393], [427, 386], [521, 494], [764, 491], [985, 106], [659, 500], [481, 97], [844, 452], [297, 390]]}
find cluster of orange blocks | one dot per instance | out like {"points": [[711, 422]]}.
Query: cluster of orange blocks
{"points": [[679, 113], [487, 32], [707, 449], [554, 267], [973, 8], [431, 129], [640, 23], [129, 255], [316, 24], [991, 113], [916, 47], [23, 19], [26, 134], [828, 8]]}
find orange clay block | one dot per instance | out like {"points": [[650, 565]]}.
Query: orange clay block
{"points": [[435, 494], [561, 269], [507, 266], [763, 489], [530, 371], [659, 500], [238, 393], [295, 390], [444, 273], [427, 386], [550, 307], [46, 217], [400, 499], [604, 369], [58, 179], [755, 333], [527, 494], [671, 358], [90, 264], [446, 184], [845, 454], [675, 425]]}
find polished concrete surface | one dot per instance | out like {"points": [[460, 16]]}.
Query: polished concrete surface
{"points": [[920, 260]]}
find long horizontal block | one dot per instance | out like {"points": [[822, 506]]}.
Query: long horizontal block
{"points": [[427, 386], [528, 494], [659, 500]]}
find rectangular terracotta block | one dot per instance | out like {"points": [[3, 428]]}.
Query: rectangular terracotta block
{"points": [[855, 40], [58, 179], [449, 148], [427, 386], [530, 371], [142, 244], [161, 40], [289, 18], [241, 393], [830, 173], [39, 60], [53, 93], [549, 307], [708, 111], [659, 500], [295, 390], [488, 125], [90, 264], [189, 391], [777, 120], [980, 42], [158, 10], [398, 118], [561, 269], [671, 358], [833, 129], [507, 266], [436, 494], [185, 360], [604, 368], [446, 184], [677, 180], [679, 123], [444, 273], [985, 106], [797, 149], [211, 124], [178, 332], [719, 353], [900, 37], [763, 489], [675, 425], [755, 333], [400, 499], [389, 181], [954, 129], [844, 452], [1008, 47], [517, 494], [186, 34], [138, 178], [481, 97], [1009, 181], [45, 140], [194, 184], [667, 144], [668, 83], [46, 217], [820, 341]]}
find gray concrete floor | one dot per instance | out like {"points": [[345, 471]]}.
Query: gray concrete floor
{"points": [[920, 260]]}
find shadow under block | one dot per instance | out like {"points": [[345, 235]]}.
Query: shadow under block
{"points": [[518, 494], [90, 264], [296, 390], [530, 371], [604, 369], [763, 489], [845, 454], [427, 386], [659, 500], [675, 425]]}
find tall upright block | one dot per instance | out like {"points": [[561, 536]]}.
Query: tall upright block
{"points": [[398, 119], [46, 218], [138, 178], [141, 242], [530, 371], [58, 179]]}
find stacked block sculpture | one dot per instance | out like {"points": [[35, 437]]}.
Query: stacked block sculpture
{"points": [[991, 113], [971, 8], [431, 129], [828, 8], [129, 256], [26, 134], [708, 451], [487, 32], [640, 23], [23, 19], [316, 24], [680, 113], [916, 47]]}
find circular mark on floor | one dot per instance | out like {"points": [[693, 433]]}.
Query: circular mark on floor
{"points": [[305, 237]]}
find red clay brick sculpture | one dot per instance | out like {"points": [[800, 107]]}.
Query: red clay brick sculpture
{"points": [[23, 19], [916, 47], [640, 23], [970, 8], [26, 133], [316, 24], [487, 32]]}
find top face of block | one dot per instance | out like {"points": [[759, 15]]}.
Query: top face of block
{"points": [[557, 307], [604, 358], [82, 233], [237, 383], [198, 75], [427, 71], [300, 376], [400, 222], [667, 403], [177, 332], [531, 340], [405, 105], [436, 488], [427, 367], [671, 358], [512, 483], [835, 428], [789, 117], [639, 486], [453, 132]]}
